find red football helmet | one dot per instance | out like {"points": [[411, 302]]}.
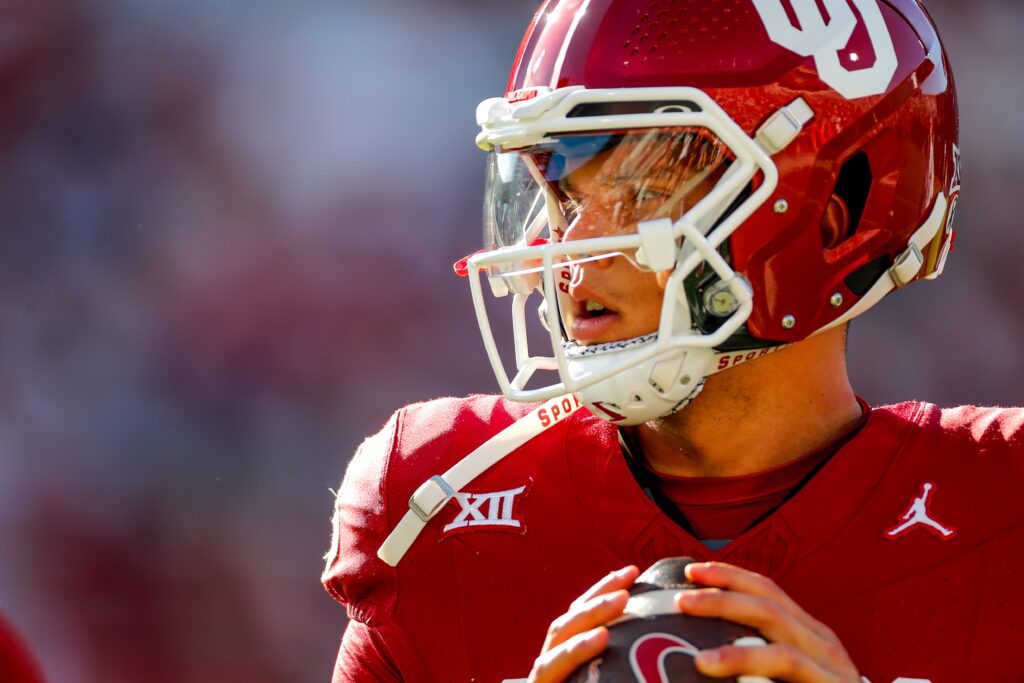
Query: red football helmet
{"points": [[763, 121]]}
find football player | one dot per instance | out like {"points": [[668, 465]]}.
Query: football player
{"points": [[687, 203]]}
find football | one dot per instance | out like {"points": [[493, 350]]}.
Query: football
{"points": [[654, 643]]}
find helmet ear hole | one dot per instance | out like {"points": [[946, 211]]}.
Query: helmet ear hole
{"points": [[846, 205]]}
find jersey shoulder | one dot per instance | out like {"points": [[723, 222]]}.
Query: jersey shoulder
{"points": [[987, 427], [437, 434], [959, 432], [489, 546], [970, 458], [417, 442], [937, 491]]}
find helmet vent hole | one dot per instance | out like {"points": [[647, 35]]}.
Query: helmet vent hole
{"points": [[588, 109]]}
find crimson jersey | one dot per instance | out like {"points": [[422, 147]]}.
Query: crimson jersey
{"points": [[908, 543], [16, 663]]}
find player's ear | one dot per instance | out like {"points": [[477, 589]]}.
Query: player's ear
{"points": [[835, 223]]}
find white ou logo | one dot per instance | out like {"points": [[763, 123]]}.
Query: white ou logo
{"points": [[824, 39]]}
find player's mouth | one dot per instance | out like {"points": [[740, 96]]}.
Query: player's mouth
{"points": [[593, 321]]}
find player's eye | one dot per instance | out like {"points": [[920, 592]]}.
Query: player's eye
{"points": [[652, 194]]}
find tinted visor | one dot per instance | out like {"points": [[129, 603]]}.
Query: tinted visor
{"points": [[615, 180]]}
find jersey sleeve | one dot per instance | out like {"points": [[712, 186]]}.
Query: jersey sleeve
{"points": [[363, 657], [354, 575]]}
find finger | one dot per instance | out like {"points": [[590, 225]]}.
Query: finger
{"points": [[555, 665], [774, 661], [729, 577], [622, 578], [773, 620], [591, 614]]}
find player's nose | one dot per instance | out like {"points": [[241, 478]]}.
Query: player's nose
{"points": [[586, 228]]}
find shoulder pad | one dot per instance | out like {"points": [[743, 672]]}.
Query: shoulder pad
{"points": [[419, 441]]}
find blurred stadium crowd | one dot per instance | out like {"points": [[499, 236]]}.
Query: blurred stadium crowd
{"points": [[226, 230]]}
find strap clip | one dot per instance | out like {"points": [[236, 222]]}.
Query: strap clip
{"points": [[784, 125], [431, 497], [907, 266]]}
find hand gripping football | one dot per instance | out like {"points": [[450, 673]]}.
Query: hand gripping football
{"points": [[654, 643]]}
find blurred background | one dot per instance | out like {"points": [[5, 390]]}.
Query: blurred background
{"points": [[226, 230]]}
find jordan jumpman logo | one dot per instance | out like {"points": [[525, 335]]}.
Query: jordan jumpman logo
{"points": [[917, 514]]}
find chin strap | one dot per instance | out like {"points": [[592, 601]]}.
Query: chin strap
{"points": [[431, 497]]}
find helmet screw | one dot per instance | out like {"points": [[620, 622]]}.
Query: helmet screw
{"points": [[789, 322], [685, 379], [836, 300], [781, 206], [719, 300]]}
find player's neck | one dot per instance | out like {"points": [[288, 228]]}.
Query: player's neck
{"points": [[758, 415]]}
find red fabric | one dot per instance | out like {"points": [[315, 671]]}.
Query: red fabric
{"points": [[16, 662], [363, 657], [722, 508], [475, 605]]}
